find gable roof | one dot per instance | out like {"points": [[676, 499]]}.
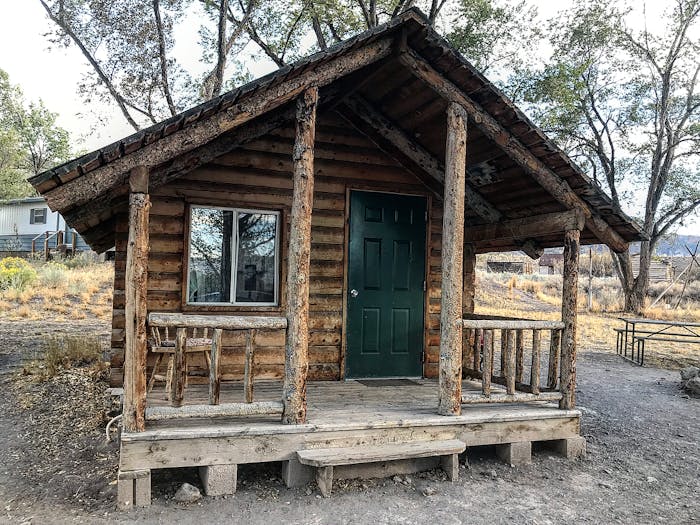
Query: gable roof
{"points": [[90, 190]]}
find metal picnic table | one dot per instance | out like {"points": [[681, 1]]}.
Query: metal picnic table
{"points": [[631, 340]]}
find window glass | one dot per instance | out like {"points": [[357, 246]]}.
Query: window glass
{"points": [[37, 216], [210, 255], [224, 243], [255, 263]]}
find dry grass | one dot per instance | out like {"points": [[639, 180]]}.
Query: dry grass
{"points": [[62, 291], [61, 352]]}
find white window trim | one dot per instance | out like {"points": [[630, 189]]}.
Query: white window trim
{"points": [[234, 256]]}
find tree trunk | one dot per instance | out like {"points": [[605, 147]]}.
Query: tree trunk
{"points": [[634, 288]]}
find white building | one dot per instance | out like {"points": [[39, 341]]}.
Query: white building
{"points": [[22, 220]]}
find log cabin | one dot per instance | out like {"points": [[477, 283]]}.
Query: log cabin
{"points": [[295, 269]]}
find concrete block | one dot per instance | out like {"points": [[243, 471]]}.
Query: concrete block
{"points": [[219, 480], [295, 474], [571, 448], [515, 454]]}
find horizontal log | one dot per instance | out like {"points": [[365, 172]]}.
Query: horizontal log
{"points": [[511, 324], [225, 322], [533, 226], [223, 410], [518, 397]]}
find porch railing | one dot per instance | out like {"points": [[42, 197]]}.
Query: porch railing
{"points": [[517, 339], [180, 323]]}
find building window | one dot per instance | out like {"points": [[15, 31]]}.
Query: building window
{"points": [[37, 216], [233, 257]]}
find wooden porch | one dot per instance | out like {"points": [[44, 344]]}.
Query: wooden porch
{"points": [[379, 414]]}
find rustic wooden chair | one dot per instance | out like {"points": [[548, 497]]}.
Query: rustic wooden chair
{"points": [[163, 343]]}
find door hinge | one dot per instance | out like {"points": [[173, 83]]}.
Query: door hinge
{"points": [[426, 215], [425, 286]]}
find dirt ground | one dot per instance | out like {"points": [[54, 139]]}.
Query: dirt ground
{"points": [[643, 463]]}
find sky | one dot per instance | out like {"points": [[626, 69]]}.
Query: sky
{"points": [[53, 74]]}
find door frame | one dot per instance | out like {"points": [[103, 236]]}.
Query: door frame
{"points": [[349, 188]]}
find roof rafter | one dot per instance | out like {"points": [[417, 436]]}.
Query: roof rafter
{"points": [[489, 126]]}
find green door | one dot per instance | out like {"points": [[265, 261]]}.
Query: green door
{"points": [[386, 272]]}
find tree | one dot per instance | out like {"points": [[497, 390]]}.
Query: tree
{"points": [[624, 103], [129, 43], [30, 140]]}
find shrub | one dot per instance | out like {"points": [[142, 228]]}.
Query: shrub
{"points": [[15, 274], [70, 351], [53, 275]]}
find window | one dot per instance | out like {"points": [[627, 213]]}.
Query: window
{"points": [[233, 256], [37, 216]]}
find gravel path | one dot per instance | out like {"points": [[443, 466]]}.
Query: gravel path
{"points": [[643, 467]]}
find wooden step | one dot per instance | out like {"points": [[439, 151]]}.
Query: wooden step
{"points": [[328, 457], [324, 459]]}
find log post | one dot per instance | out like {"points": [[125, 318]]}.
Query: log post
{"points": [[567, 371], [135, 308], [249, 367], [450, 375], [296, 363]]}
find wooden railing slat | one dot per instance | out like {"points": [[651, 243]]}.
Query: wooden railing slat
{"points": [[510, 362], [554, 351], [519, 351], [535, 368], [179, 369], [249, 371], [487, 361], [512, 324], [214, 376]]}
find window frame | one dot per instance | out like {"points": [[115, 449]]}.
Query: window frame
{"points": [[234, 257], [32, 215]]}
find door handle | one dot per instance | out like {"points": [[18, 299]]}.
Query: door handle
{"points": [[354, 293]]}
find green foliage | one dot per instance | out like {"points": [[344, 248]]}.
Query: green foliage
{"points": [[30, 141], [15, 274], [495, 35], [53, 275]]}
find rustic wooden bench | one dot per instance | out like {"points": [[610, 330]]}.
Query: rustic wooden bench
{"points": [[324, 459]]}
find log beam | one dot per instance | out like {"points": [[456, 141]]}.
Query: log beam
{"points": [[102, 179], [534, 226], [135, 307], [375, 125], [450, 366], [567, 372], [533, 166], [296, 363]]}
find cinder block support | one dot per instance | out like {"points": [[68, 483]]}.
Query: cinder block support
{"points": [[515, 454], [295, 474], [571, 448], [219, 480], [450, 464], [133, 489]]}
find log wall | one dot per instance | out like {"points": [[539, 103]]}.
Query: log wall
{"points": [[260, 176]]}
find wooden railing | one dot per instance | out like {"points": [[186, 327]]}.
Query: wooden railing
{"points": [[478, 356], [217, 324]]}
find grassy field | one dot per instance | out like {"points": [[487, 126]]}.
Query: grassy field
{"points": [[61, 290]]}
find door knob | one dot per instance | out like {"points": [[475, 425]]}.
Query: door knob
{"points": [[354, 293]]}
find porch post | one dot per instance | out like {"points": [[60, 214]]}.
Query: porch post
{"points": [[567, 372], [296, 362], [135, 307], [450, 374]]}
